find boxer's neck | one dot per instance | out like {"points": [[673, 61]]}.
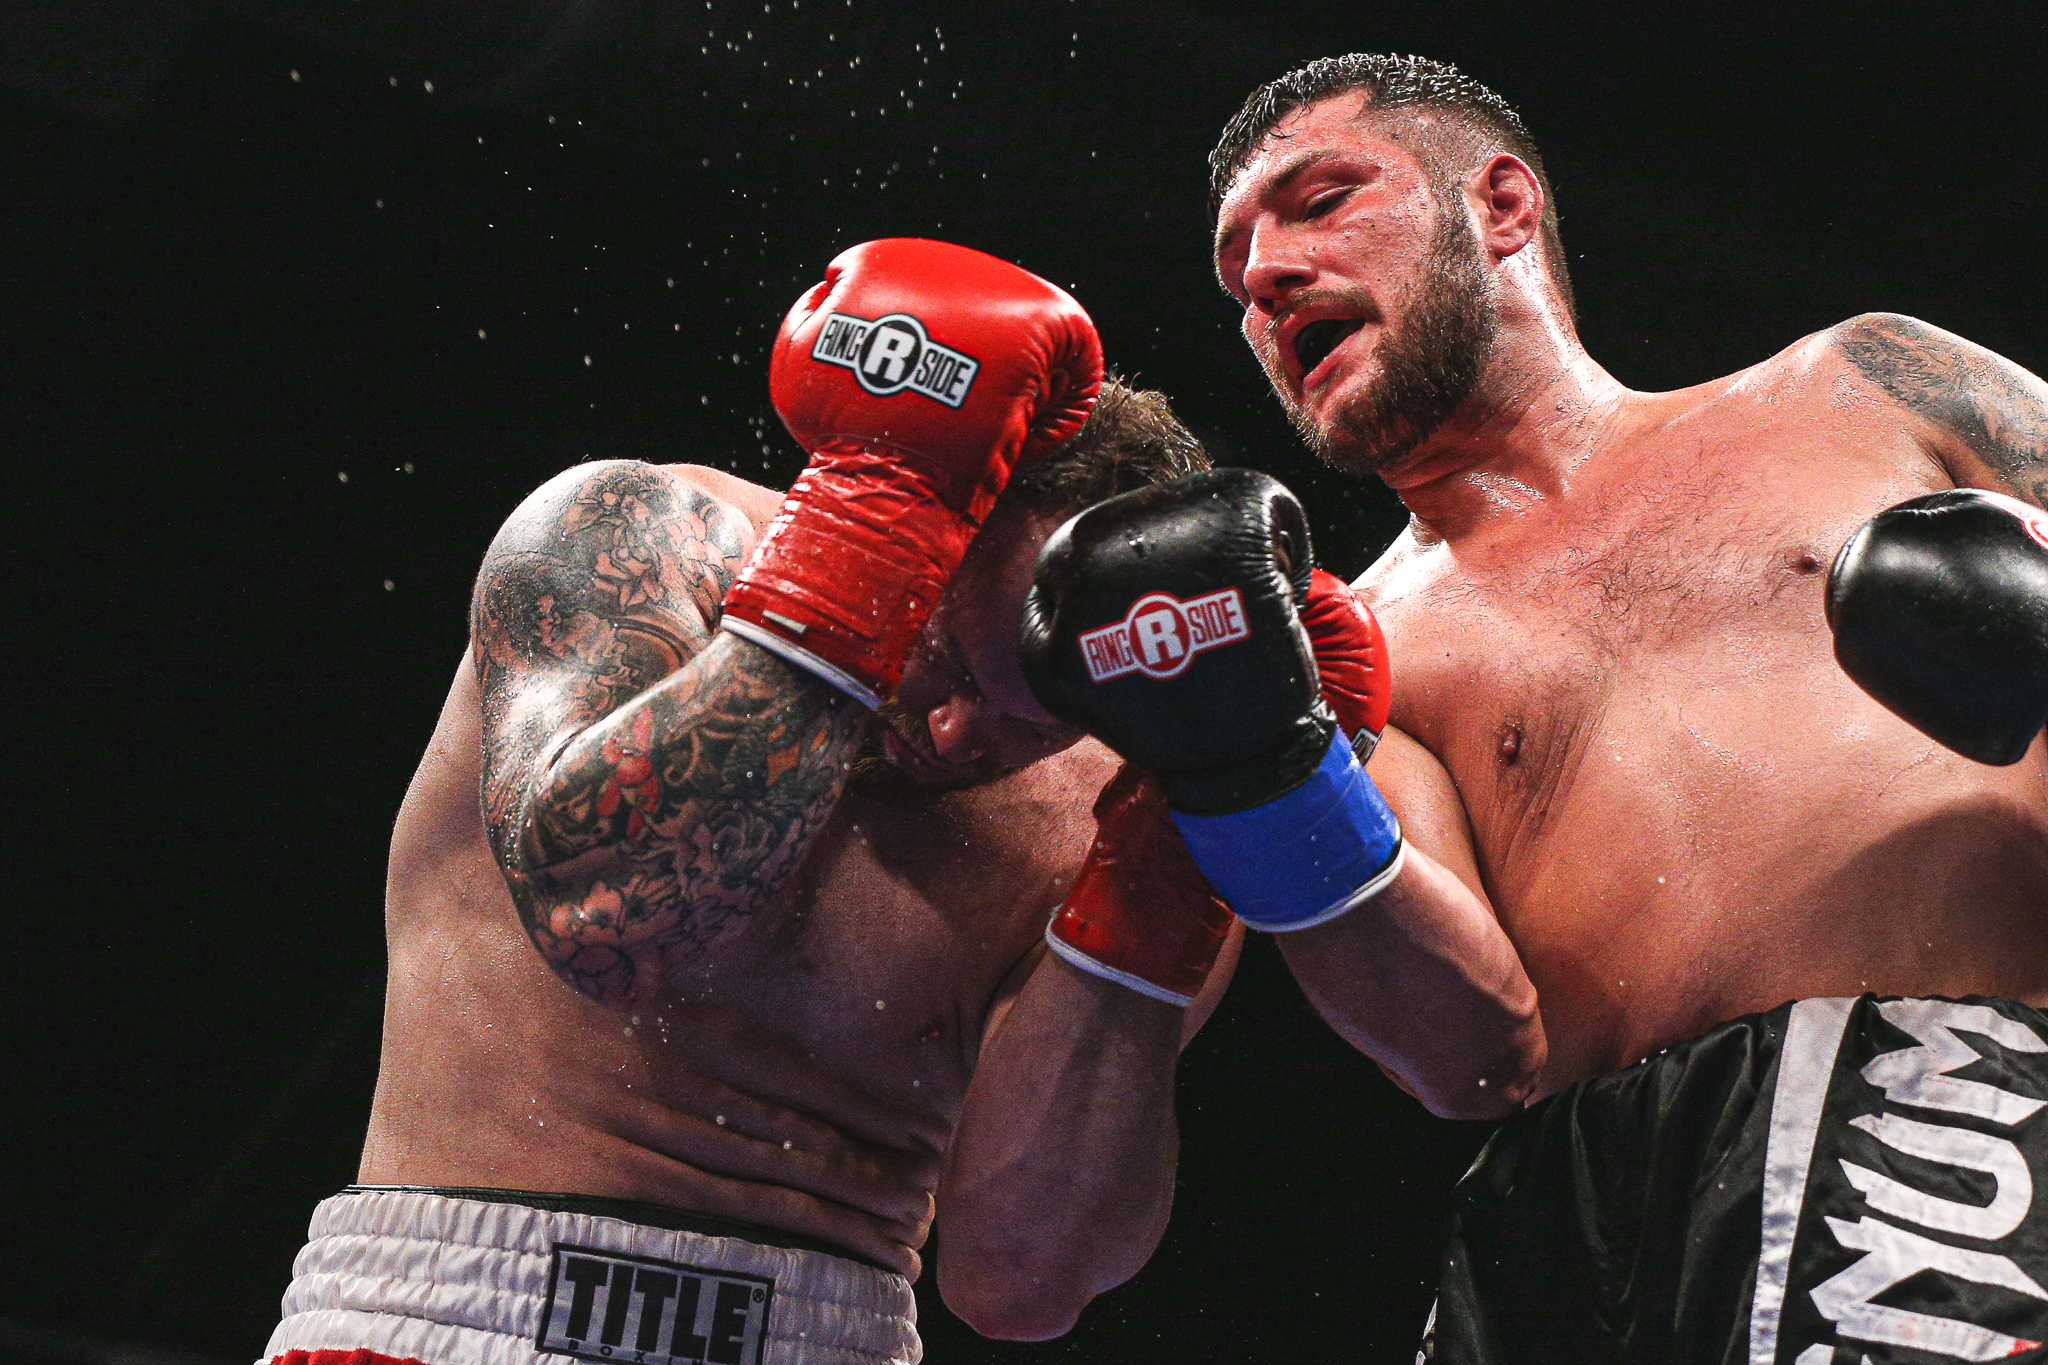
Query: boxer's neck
{"points": [[1542, 410]]}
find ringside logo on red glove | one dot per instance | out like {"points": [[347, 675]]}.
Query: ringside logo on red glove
{"points": [[893, 353], [846, 575], [1161, 634]]}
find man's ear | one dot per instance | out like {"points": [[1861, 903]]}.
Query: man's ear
{"points": [[1508, 200]]}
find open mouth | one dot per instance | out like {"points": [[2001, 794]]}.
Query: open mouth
{"points": [[1314, 342]]}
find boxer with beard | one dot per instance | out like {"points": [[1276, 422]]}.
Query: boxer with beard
{"points": [[697, 1028], [1619, 724]]}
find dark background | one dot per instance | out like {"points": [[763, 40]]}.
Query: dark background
{"points": [[297, 299]]}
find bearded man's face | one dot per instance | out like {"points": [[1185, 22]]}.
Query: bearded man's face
{"points": [[1423, 367], [1367, 295]]}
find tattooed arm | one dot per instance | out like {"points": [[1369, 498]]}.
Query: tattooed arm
{"points": [[1987, 419], [649, 782]]}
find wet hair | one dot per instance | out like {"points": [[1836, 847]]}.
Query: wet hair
{"points": [[1130, 440], [1475, 123]]}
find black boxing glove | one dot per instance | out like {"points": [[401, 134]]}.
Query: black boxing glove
{"points": [[1939, 608], [1165, 622]]}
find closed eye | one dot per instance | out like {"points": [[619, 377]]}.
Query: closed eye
{"points": [[1319, 207]]}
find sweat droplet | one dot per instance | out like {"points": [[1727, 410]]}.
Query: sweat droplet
{"points": [[878, 1005], [721, 1120]]}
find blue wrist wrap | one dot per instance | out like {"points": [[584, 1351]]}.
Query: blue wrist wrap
{"points": [[1306, 857]]}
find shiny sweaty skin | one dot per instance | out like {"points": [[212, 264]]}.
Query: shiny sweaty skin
{"points": [[1681, 808], [805, 1064], [1617, 717]]}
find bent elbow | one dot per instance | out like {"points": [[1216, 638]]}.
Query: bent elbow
{"points": [[1014, 1307], [1480, 1102], [590, 944], [1491, 1087]]}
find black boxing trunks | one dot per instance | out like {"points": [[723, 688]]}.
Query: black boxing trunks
{"points": [[1836, 1182], [422, 1276]]}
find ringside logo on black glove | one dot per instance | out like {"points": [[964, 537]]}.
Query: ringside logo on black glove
{"points": [[1271, 802], [1161, 634], [893, 353]]}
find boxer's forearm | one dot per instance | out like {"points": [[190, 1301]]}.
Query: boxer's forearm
{"points": [[682, 811], [1422, 979], [646, 779], [1060, 1174]]}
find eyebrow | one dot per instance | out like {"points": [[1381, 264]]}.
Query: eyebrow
{"points": [[1287, 175]]}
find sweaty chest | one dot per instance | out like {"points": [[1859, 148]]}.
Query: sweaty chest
{"points": [[1649, 630]]}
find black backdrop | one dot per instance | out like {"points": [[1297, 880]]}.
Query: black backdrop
{"points": [[297, 301]]}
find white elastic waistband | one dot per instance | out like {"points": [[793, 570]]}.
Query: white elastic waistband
{"points": [[453, 1281]]}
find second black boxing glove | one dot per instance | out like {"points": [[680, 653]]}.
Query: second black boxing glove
{"points": [[1939, 608], [1165, 623], [1166, 619]]}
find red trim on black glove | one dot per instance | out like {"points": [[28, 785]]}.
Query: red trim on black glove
{"points": [[1351, 657]]}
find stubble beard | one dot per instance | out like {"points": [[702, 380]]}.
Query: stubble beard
{"points": [[1427, 367]]}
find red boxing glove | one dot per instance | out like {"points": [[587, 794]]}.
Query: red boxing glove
{"points": [[1142, 913], [919, 374], [1351, 656]]}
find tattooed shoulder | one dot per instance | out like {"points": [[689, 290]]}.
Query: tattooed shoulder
{"points": [[618, 565], [604, 581], [1992, 414], [645, 788]]}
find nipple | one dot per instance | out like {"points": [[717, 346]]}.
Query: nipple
{"points": [[1510, 743]]}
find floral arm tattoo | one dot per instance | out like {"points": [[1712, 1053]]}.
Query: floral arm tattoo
{"points": [[1993, 414], [648, 782]]}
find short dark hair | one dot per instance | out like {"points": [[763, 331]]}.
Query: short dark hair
{"points": [[1490, 125], [1130, 440]]}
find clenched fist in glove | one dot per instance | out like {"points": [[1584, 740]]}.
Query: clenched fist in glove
{"points": [[1173, 624], [919, 375]]}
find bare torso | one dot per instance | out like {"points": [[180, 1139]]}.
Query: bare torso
{"points": [[1682, 810], [806, 1080]]}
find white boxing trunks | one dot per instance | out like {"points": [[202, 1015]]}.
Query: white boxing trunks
{"points": [[503, 1277]]}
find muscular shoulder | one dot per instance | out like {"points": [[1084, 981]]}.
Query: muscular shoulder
{"points": [[1982, 416], [628, 493], [616, 540]]}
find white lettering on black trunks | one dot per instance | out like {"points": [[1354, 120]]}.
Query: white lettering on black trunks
{"points": [[892, 353], [1919, 1077], [609, 1307], [1160, 634]]}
